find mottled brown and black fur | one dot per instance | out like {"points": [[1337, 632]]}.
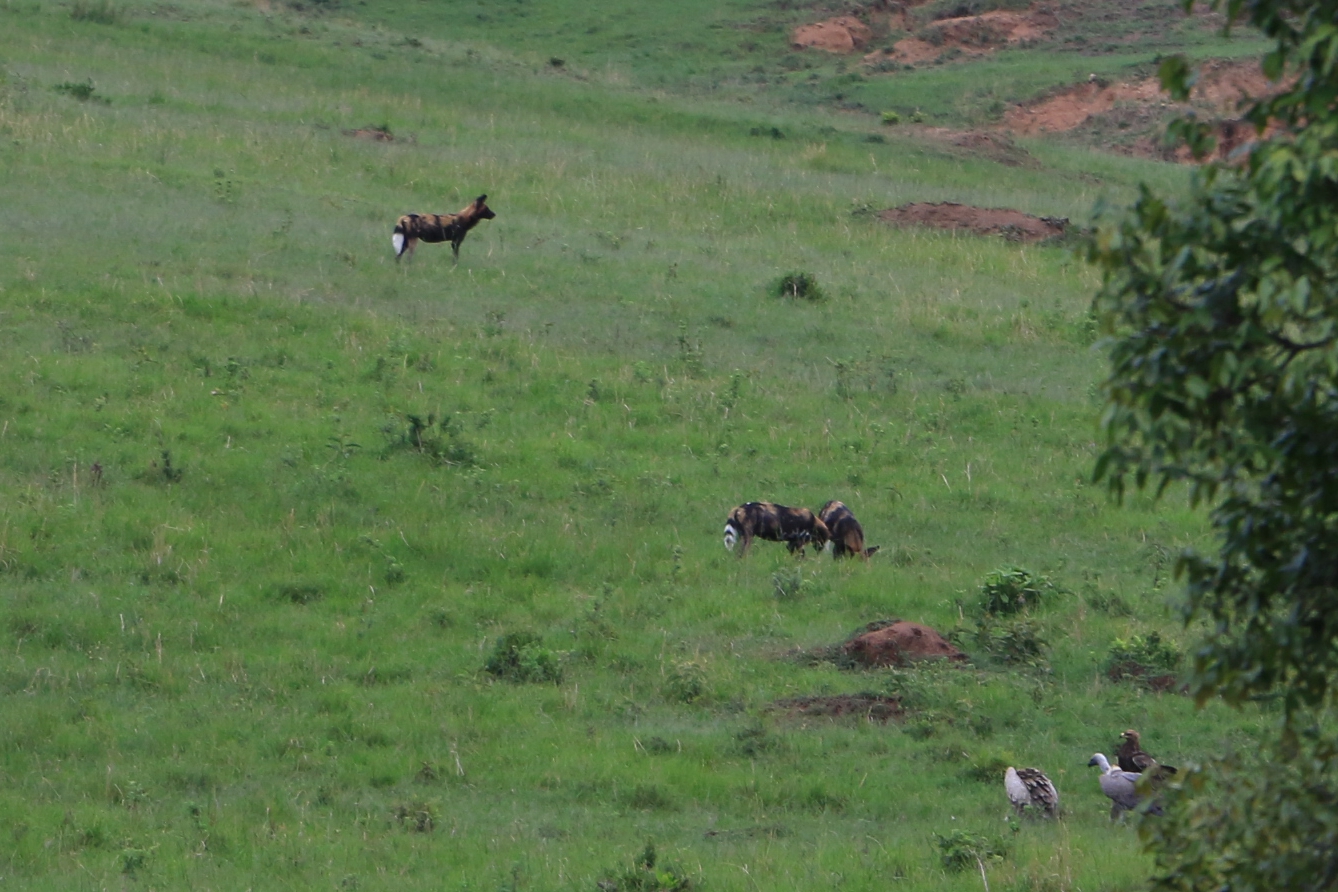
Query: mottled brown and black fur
{"points": [[796, 527], [846, 534], [432, 228]]}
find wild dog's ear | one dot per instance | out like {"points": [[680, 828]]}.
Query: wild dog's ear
{"points": [[480, 199]]}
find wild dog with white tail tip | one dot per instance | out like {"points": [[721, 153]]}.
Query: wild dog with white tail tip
{"points": [[796, 527], [847, 535], [433, 228]]}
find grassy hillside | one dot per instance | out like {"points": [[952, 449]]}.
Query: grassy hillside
{"points": [[269, 500]]}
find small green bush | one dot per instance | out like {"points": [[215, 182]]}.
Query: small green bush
{"points": [[1016, 642], [799, 285], [645, 876], [960, 850], [83, 91], [890, 118], [1010, 590], [441, 439], [521, 657], [1142, 657]]}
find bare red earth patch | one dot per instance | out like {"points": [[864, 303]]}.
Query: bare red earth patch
{"points": [[1141, 106], [1011, 224], [972, 35], [376, 134]]}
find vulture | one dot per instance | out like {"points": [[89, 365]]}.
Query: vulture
{"points": [[1027, 786], [1132, 758], [1120, 787]]}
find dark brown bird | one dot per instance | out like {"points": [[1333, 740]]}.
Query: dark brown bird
{"points": [[1132, 758]]}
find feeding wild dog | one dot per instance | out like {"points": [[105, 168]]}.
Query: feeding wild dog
{"points": [[796, 527], [432, 228], [846, 534]]}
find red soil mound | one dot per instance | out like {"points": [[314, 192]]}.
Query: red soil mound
{"points": [[898, 644], [843, 34], [1011, 224]]}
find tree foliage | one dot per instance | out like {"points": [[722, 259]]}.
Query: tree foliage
{"points": [[1220, 315], [1220, 319]]}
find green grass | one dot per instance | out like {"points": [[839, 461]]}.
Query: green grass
{"points": [[246, 609]]}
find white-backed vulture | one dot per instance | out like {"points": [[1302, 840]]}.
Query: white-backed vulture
{"points": [[1028, 786], [1120, 787]]}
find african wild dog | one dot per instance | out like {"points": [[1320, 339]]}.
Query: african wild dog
{"points": [[796, 527], [847, 535], [432, 228]]}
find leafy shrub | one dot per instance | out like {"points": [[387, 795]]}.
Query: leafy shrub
{"points": [[1011, 590], [960, 850], [799, 285], [890, 118], [1142, 657], [1017, 642], [645, 876], [84, 92], [521, 657], [441, 439]]}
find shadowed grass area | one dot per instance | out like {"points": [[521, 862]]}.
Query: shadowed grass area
{"points": [[269, 501]]}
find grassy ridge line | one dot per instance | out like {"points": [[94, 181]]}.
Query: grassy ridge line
{"points": [[286, 234]]}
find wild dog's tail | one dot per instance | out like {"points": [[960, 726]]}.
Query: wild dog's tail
{"points": [[869, 552], [398, 239], [731, 536]]}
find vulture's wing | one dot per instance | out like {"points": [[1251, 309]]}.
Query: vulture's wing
{"points": [[1039, 789]]}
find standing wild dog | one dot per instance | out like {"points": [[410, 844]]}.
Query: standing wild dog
{"points": [[432, 228], [846, 534], [796, 527]]}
